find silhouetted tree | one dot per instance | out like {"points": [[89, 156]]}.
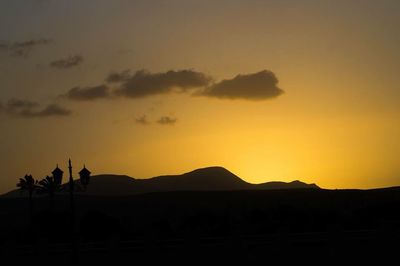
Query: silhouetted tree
{"points": [[50, 187], [28, 183]]}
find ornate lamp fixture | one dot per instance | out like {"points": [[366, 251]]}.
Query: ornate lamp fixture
{"points": [[57, 175], [84, 176]]}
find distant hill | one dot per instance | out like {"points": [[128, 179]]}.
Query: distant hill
{"points": [[204, 179]]}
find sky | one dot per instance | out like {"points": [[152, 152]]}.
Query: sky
{"points": [[271, 90]]}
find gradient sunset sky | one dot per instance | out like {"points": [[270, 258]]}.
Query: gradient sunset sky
{"points": [[271, 90]]}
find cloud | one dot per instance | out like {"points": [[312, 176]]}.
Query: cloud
{"points": [[88, 93], [257, 86], [144, 83], [142, 120], [117, 77], [22, 49], [254, 86], [29, 109], [53, 110], [166, 120], [18, 104], [67, 62]]}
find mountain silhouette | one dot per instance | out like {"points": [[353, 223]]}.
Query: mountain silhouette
{"points": [[210, 178], [204, 179]]}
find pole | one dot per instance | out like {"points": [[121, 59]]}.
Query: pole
{"points": [[71, 184], [74, 250]]}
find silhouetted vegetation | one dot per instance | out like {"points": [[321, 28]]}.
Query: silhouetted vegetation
{"points": [[28, 183], [50, 187]]}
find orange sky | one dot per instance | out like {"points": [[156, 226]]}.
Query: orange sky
{"points": [[336, 124]]}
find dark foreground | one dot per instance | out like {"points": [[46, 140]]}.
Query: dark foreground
{"points": [[316, 227]]}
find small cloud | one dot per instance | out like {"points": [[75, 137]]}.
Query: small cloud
{"points": [[257, 86], [117, 77], [67, 62], [144, 83], [22, 49], [142, 120], [18, 104], [29, 109], [166, 120], [88, 93], [53, 110]]}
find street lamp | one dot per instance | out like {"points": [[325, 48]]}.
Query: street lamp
{"points": [[57, 175], [84, 175]]}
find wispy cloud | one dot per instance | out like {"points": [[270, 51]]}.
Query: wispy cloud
{"points": [[52, 110], [117, 77], [167, 120], [67, 62], [19, 104], [22, 49], [29, 109], [88, 93], [142, 120]]}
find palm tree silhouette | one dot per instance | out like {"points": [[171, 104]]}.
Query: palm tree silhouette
{"points": [[50, 187], [28, 183]]}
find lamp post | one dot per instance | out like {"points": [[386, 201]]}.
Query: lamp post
{"points": [[71, 185], [57, 175], [84, 175], [84, 180]]}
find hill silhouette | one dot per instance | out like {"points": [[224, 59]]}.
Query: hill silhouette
{"points": [[204, 179]]}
